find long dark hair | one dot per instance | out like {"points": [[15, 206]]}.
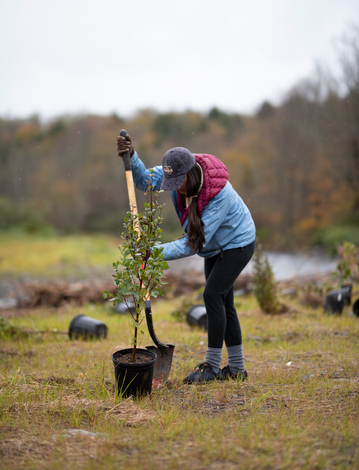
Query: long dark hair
{"points": [[195, 225]]}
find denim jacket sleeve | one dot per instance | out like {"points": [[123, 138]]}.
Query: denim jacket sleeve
{"points": [[141, 175], [213, 215]]}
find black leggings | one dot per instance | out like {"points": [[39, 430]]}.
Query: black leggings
{"points": [[221, 271]]}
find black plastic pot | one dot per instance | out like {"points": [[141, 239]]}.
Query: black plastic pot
{"points": [[123, 308], [87, 328], [133, 378], [356, 308], [334, 303], [336, 299], [197, 316]]}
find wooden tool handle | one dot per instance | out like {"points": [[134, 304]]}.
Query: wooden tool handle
{"points": [[129, 179], [131, 189]]}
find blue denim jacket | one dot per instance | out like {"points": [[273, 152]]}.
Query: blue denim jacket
{"points": [[227, 221]]}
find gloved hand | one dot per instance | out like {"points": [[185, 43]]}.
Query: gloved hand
{"points": [[125, 145]]}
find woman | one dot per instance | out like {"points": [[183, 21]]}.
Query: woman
{"points": [[218, 227]]}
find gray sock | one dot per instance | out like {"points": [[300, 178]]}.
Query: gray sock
{"points": [[236, 359], [213, 357]]}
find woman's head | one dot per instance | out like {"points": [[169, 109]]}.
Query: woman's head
{"points": [[176, 163], [181, 173]]}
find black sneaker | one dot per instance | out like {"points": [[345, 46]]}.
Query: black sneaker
{"points": [[227, 374], [202, 373]]}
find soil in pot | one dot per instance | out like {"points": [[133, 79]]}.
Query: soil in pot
{"points": [[134, 378], [139, 359]]}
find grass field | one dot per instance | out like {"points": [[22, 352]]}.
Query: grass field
{"points": [[299, 409], [58, 408], [56, 256]]}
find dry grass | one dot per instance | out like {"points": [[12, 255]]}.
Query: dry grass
{"points": [[298, 410]]}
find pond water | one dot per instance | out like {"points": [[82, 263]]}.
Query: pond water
{"points": [[284, 265], [287, 266]]}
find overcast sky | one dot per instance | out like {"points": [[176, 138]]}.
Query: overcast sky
{"points": [[120, 56]]}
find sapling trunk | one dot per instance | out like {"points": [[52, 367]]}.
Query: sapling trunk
{"points": [[137, 319], [135, 338]]}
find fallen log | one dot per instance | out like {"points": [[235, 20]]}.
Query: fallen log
{"points": [[58, 293]]}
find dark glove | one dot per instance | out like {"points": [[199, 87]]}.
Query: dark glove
{"points": [[125, 145]]}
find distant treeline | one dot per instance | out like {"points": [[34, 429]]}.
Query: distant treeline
{"points": [[296, 165]]}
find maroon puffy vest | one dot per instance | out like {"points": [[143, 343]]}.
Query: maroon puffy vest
{"points": [[215, 177]]}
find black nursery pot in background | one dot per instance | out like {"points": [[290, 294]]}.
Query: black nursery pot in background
{"points": [[87, 328], [197, 316], [333, 304], [356, 308], [133, 378], [122, 307], [336, 299]]}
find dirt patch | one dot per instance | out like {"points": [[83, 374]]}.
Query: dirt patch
{"points": [[24, 446], [212, 400], [126, 410], [54, 380], [8, 352], [130, 413], [11, 352]]}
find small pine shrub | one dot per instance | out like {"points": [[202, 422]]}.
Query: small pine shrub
{"points": [[265, 285]]}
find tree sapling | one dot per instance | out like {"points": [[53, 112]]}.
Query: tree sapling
{"points": [[139, 272]]}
